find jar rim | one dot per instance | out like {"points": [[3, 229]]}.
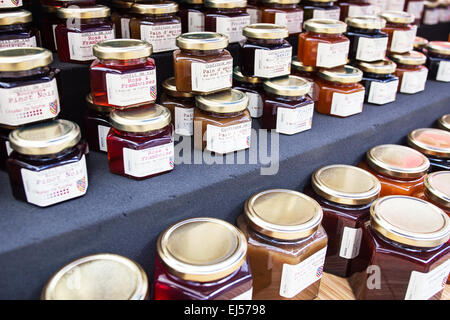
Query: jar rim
{"points": [[378, 67], [227, 101], [327, 26], [22, 59], [440, 47], [170, 88], [15, 17], [225, 4], [89, 12], [265, 31], [412, 58], [346, 74], [430, 141], [366, 22], [202, 41], [437, 188], [291, 86], [122, 49], [140, 119], [161, 7], [399, 17]]}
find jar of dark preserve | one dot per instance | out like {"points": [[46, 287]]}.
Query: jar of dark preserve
{"points": [[411, 71], [436, 190], [431, 13], [307, 73], [285, 13], [97, 125], [415, 7], [67, 3], [444, 122], [12, 4], [420, 44], [121, 17], [255, 11], [202, 259], [5, 147], [265, 53], [345, 194], [400, 30], [49, 22], [438, 61], [48, 164], [192, 15], [320, 9], [16, 30], [356, 8], [253, 88]]}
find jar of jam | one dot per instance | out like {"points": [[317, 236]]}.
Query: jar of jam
{"points": [[253, 88], [356, 8], [97, 125], [285, 240], [48, 164], [67, 3], [438, 61], [140, 142], [345, 194], [431, 13], [81, 29], [255, 11], [434, 144], [340, 92], [228, 17], [420, 44], [202, 259], [192, 15], [157, 24], [284, 13], [444, 122], [400, 30], [287, 107], [49, 22], [307, 73], [103, 276], [405, 251], [320, 9], [411, 71], [379, 81], [222, 123], [181, 106], [16, 30], [5, 147], [7, 5], [323, 44], [28, 88], [415, 7], [437, 190], [265, 53], [367, 42], [400, 169], [123, 75], [121, 17]]}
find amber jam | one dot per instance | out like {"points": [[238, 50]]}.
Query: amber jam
{"points": [[431, 13], [400, 169], [16, 30], [340, 92], [265, 53], [48, 164], [49, 22], [202, 64], [320, 9], [308, 73], [28, 88], [400, 31], [67, 3], [81, 29], [121, 17], [255, 11], [202, 259], [283, 13], [405, 252], [356, 8], [222, 123], [287, 106], [181, 106], [411, 71], [323, 44], [228, 17], [102, 276], [140, 142], [444, 122], [97, 125], [285, 240], [253, 88], [123, 75], [345, 194], [157, 24], [192, 15], [420, 44], [438, 61], [5, 148], [11, 4]]}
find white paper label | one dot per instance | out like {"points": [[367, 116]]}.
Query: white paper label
{"points": [[331, 55], [102, 135], [416, 8], [255, 15], [382, 93], [5, 4], [326, 14], [273, 63], [211, 76], [293, 21], [81, 43], [18, 43], [345, 105], [196, 21], [431, 17], [162, 37], [228, 139], [125, 28], [414, 81], [25, 104], [292, 121], [296, 278], [350, 243], [395, 5], [255, 104], [8, 148], [403, 41], [247, 295], [232, 27], [443, 73], [371, 49], [422, 286], [146, 162], [54, 35], [184, 118], [50, 186], [356, 10]]}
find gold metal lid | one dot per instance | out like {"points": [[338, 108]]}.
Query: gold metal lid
{"points": [[444, 122], [202, 249], [430, 141], [282, 1], [283, 214], [265, 31], [91, 105], [225, 4], [299, 66], [412, 58], [399, 17], [91, 12], [410, 221], [160, 7], [122, 49], [141, 119], [379, 67], [346, 184], [291, 86], [238, 76], [345, 74], [440, 47], [420, 43], [328, 26], [15, 17], [202, 41], [98, 277], [22, 59], [227, 101], [171, 89], [366, 22], [397, 161], [45, 138], [437, 188]]}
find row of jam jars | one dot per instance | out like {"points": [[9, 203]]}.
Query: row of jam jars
{"points": [[400, 30], [434, 144], [438, 60], [16, 30], [285, 13], [411, 71], [320, 9], [356, 8]]}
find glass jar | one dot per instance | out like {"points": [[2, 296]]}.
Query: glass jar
{"points": [[121, 17], [140, 142], [379, 81], [102, 276], [255, 11], [345, 194], [80, 30], [202, 64], [5, 148], [253, 88], [222, 123], [320, 9], [48, 164], [265, 53], [438, 61], [400, 31], [123, 75], [411, 71], [285, 240], [401, 170], [28, 88], [356, 8], [367, 42], [284, 13], [97, 125], [415, 7], [420, 44], [287, 106], [434, 144], [228, 17], [67, 3], [202, 259], [192, 15], [8, 5], [181, 106], [437, 190], [323, 44], [340, 92], [307, 73], [157, 24], [395, 5], [431, 13], [405, 253], [16, 30], [49, 22], [444, 122]]}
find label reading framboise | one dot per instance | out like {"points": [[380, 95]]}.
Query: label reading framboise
{"points": [[125, 28], [403, 41], [331, 55], [395, 5], [162, 37], [196, 21], [5, 4], [350, 243], [211, 76], [416, 8], [443, 73], [431, 17], [232, 27], [358, 10], [414, 81], [291, 20], [228, 139], [273, 63], [184, 117], [382, 92], [255, 15], [370, 49], [18, 43], [326, 14], [423, 286], [142, 163], [292, 121], [255, 104], [81, 43], [345, 105], [102, 135]]}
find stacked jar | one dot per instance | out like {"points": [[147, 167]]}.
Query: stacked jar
{"points": [[17, 30]]}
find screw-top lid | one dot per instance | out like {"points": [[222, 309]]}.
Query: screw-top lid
{"points": [[400, 17], [265, 31], [15, 17], [440, 47], [171, 89], [227, 101], [22, 59], [91, 12], [432, 142], [420, 43], [122, 49], [344, 74], [437, 188], [291, 86], [160, 7], [378, 67], [412, 58], [328, 26], [366, 22], [141, 119], [225, 4], [444, 122], [202, 41]]}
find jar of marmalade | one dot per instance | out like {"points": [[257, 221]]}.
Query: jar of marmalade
{"points": [[431, 13], [415, 7], [253, 88], [444, 122], [121, 17], [16, 30], [400, 31], [202, 259], [284, 13], [7, 5], [307, 73], [97, 125], [420, 44], [436, 190], [255, 11], [320, 9], [438, 61], [356, 8], [192, 15], [5, 147], [411, 71], [49, 22]]}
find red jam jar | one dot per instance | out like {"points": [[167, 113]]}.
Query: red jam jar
{"points": [[415, 7], [255, 11], [121, 17], [308, 73], [5, 148], [202, 259], [405, 252], [345, 194], [400, 170], [444, 122], [400, 31], [123, 75], [192, 15], [81, 29], [16, 30], [253, 88], [284, 13], [48, 164], [49, 22], [410, 71], [140, 142], [437, 190], [97, 125], [10, 4], [356, 8], [67, 3]]}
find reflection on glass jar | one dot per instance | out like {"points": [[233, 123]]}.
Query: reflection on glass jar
{"points": [[411, 71], [253, 88], [16, 30], [97, 125], [438, 61], [400, 30], [285, 13]]}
